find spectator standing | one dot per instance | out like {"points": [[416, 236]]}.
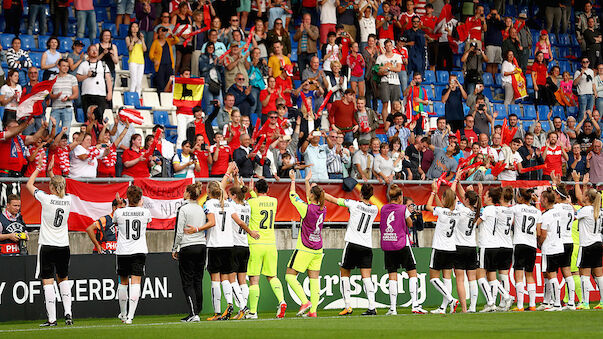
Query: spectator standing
{"points": [[164, 22], [439, 138], [11, 223], [75, 57], [366, 119], [268, 98], [592, 39], [476, 24], [428, 25], [512, 43], [107, 51], [59, 14], [182, 19], [544, 45], [234, 130], [86, 18], [244, 157], [389, 65], [316, 154], [403, 52], [278, 60], [10, 94], [242, 94], [306, 37], [311, 6], [508, 70], [584, 80], [363, 162], [367, 22], [281, 35], [225, 9], [18, 59], [64, 91], [595, 163], [226, 111], [337, 158], [314, 74], [256, 67], [553, 16], [576, 162], [346, 16], [186, 163], [356, 64], [582, 23], [525, 40], [370, 54], [50, 59], [530, 156], [553, 156], [399, 131], [125, 9], [13, 10], [84, 161], [444, 162], [453, 97], [163, 58], [37, 12], [539, 78], [108, 162], [384, 165], [482, 115], [145, 16], [221, 154], [493, 41], [135, 160], [136, 47], [416, 50], [385, 24], [96, 82], [468, 131], [444, 29], [472, 60], [341, 115], [514, 122], [39, 107], [328, 19]]}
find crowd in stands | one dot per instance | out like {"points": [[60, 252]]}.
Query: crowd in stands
{"points": [[367, 89]]}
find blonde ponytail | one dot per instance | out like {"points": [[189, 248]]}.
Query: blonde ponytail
{"points": [[59, 185]]}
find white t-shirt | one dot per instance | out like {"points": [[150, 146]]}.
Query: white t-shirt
{"points": [[83, 168], [360, 224], [486, 238], [15, 93], [511, 175], [585, 86], [507, 67], [567, 216], [94, 85], [221, 235], [328, 13], [334, 56], [391, 77], [590, 231], [53, 224], [526, 218], [550, 223], [367, 26], [132, 225], [465, 226], [239, 234], [503, 226], [444, 230], [187, 172]]}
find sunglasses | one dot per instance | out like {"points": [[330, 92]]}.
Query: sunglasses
{"points": [[273, 117], [278, 23], [234, 20], [240, 78], [585, 62]]}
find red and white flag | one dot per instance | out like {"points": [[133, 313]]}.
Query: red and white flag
{"points": [[89, 202], [162, 198], [38, 93], [131, 115]]}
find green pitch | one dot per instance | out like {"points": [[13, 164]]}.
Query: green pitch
{"points": [[584, 324]]}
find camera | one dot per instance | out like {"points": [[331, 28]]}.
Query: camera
{"points": [[316, 133], [214, 102], [481, 107], [223, 143], [203, 147], [93, 74]]}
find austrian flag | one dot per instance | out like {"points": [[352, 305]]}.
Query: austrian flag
{"points": [[38, 93]]}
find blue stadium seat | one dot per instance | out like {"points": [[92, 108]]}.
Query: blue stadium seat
{"points": [[439, 108], [122, 49], [456, 61], [6, 40], [124, 63], [529, 81], [459, 75], [572, 111], [488, 93], [429, 91], [36, 58], [543, 111], [515, 109], [86, 43], [466, 109], [498, 79], [564, 52], [552, 39], [111, 27], [502, 110], [529, 112], [101, 14], [132, 99], [487, 78], [104, 3], [442, 77], [1, 112], [42, 40], [65, 44], [162, 118], [564, 66], [123, 31], [564, 40], [382, 138], [558, 111], [438, 93], [28, 42], [545, 126], [526, 124], [430, 78]]}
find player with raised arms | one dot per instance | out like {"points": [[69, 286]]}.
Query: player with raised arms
{"points": [[590, 224], [358, 249], [394, 222], [263, 256], [190, 250], [466, 260], [53, 244], [443, 246], [308, 253], [132, 222], [527, 222], [551, 245]]}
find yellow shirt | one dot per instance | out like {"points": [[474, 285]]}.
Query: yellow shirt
{"points": [[275, 64], [137, 55], [263, 215]]}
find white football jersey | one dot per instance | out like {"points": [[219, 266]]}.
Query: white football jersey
{"points": [[503, 226], [567, 219], [590, 231], [486, 236], [443, 236], [360, 224], [239, 234], [53, 225], [526, 218], [221, 235], [132, 230], [551, 224], [465, 225]]}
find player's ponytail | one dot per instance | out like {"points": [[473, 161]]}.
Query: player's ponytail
{"points": [[193, 191], [525, 196], [58, 184], [239, 192], [507, 194], [214, 191], [594, 198], [394, 193], [449, 198], [475, 202], [319, 195], [547, 198], [366, 191]]}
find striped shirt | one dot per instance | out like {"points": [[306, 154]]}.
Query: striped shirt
{"points": [[18, 59], [334, 162], [63, 85]]}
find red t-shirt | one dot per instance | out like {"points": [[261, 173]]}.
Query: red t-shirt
{"points": [[342, 115], [202, 157], [553, 160], [284, 84], [385, 33], [474, 28], [271, 102], [356, 64], [309, 3], [106, 164], [236, 135], [406, 20], [140, 170], [471, 136], [430, 21], [541, 73], [11, 153], [221, 165], [31, 166], [403, 53]]}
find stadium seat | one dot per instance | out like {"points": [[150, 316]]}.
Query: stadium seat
{"points": [[564, 40], [438, 92], [529, 112], [466, 109], [124, 63], [498, 80], [430, 78], [545, 126], [501, 109], [147, 119], [543, 111], [152, 99], [101, 14], [167, 100], [572, 111], [515, 109], [42, 40], [111, 27], [1, 112], [65, 44], [132, 99], [565, 66], [123, 31], [487, 78], [28, 42], [122, 49], [6, 40], [558, 111], [36, 58], [488, 93], [429, 91], [382, 138], [552, 39], [162, 118], [459, 75], [86, 43], [442, 77], [117, 100], [529, 81], [439, 108]]}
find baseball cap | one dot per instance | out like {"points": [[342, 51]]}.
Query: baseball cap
{"points": [[523, 15], [363, 142], [78, 43], [544, 32], [403, 39]]}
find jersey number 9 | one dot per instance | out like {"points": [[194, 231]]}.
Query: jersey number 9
{"points": [[135, 232]]}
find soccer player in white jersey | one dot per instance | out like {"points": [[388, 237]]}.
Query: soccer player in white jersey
{"points": [[220, 264], [590, 224], [527, 220], [53, 245], [444, 247], [358, 248], [504, 236], [488, 246], [551, 246], [237, 194], [466, 261], [131, 251]]}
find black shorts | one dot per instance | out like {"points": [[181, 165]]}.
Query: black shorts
{"points": [[432, 52], [504, 258], [132, 264], [356, 256], [524, 258], [240, 257], [220, 260], [550, 262], [590, 256], [442, 260], [466, 258], [51, 260], [487, 259], [402, 258], [566, 258]]}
